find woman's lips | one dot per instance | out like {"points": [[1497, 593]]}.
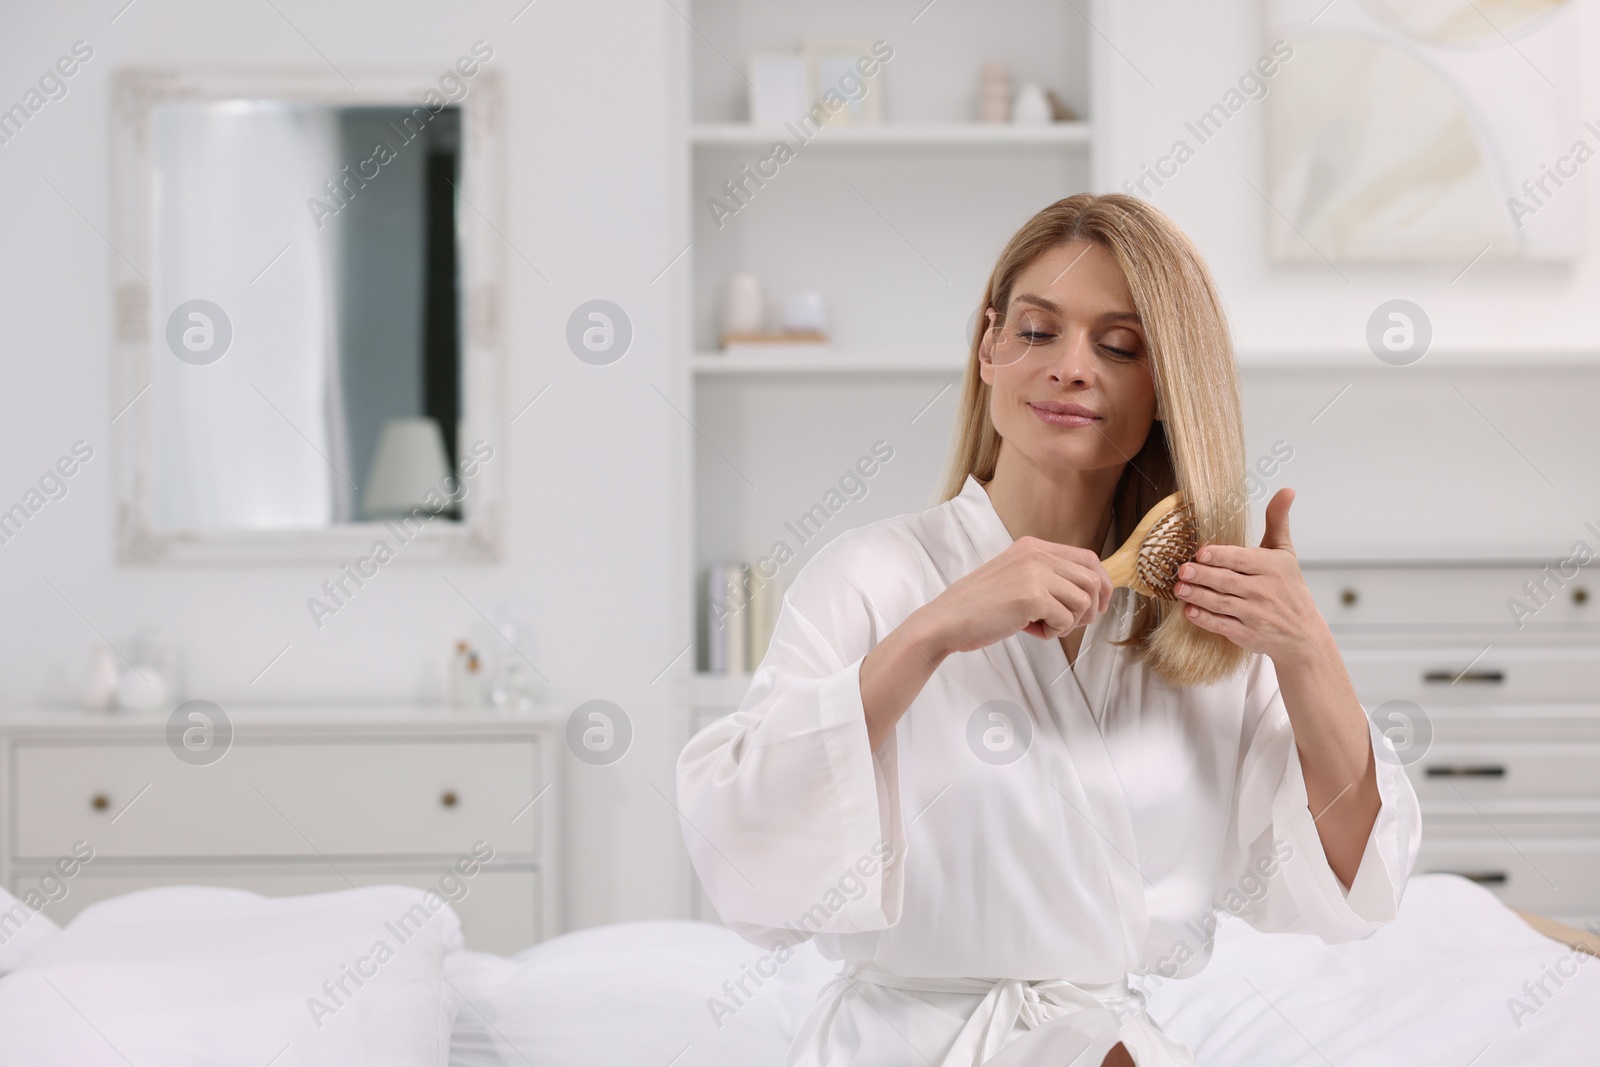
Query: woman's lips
{"points": [[1064, 414]]}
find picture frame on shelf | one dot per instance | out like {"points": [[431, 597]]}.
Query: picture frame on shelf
{"points": [[780, 87], [834, 65]]}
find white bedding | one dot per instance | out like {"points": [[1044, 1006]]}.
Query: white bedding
{"points": [[1431, 988], [630, 993], [23, 928], [186, 976]]}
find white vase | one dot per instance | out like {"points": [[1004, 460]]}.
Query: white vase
{"points": [[744, 307], [142, 688], [1032, 107], [805, 312]]}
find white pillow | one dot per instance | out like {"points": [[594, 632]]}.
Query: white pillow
{"points": [[21, 931], [633, 993], [187, 975]]}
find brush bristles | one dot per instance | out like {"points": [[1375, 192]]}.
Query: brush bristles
{"points": [[1169, 545]]}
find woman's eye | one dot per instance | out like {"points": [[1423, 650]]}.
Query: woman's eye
{"points": [[1120, 353], [1036, 337]]}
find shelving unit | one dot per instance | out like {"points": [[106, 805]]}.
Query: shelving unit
{"points": [[897, 225]]}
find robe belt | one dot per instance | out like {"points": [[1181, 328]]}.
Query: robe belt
{"points": [[1091, 1009]]}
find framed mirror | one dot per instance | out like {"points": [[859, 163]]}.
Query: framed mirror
{"points": [[307, 352]]}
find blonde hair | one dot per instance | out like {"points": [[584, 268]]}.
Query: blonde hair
{"points": [[1197, 445]]}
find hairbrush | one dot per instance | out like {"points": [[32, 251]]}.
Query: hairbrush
{"points": [[1164, 540]]}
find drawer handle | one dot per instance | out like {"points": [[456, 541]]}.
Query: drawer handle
{"points": [[1481, 877], [100, 802], [1487, 770], [1489, 677], [448, 798]]}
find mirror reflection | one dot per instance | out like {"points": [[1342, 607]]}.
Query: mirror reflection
{"points": [[306, 314]]}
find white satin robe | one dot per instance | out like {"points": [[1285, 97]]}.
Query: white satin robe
{"points": [[1020, 896]]}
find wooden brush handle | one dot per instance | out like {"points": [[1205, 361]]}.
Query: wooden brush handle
{"points": [[1123, 564]]}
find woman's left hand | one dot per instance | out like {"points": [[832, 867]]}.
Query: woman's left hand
{"points": [[1255, 597]]}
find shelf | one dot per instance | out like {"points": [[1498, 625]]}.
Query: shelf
{"points": [[910, 135], [862, 361], [1436, 359]]}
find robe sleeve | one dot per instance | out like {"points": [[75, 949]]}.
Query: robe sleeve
{"points": [[791, 820], [1275, 874]]}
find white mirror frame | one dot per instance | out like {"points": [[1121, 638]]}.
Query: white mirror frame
{"points": [[478, 536]]}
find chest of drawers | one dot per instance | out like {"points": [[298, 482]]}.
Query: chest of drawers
{"points": [[1503, 724], [299, 801]]}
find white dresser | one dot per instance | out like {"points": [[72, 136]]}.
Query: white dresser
{"points": [[1505, 756], [301, 800]]}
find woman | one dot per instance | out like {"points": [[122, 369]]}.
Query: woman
{"points": [[994, 786]]}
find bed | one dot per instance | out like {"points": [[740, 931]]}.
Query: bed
{"points": [[175, 975]]}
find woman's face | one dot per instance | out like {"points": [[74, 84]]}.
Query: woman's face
{"points": [[1069, 375]]}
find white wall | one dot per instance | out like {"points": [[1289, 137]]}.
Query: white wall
{"points": [[1192, 53], [594, 556]]}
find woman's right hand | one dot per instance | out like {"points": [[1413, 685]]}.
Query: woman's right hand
{"points": [[1034, 586], [1040, 587]]}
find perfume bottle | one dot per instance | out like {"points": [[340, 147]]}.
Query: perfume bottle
{"points": [[513, 691], [99, 691], [466, 679]]}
